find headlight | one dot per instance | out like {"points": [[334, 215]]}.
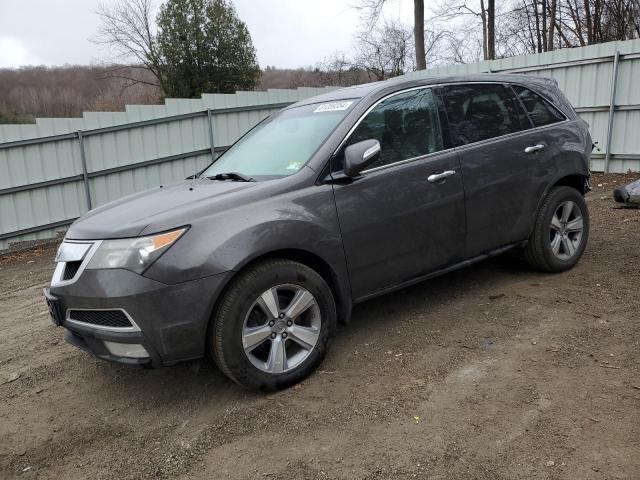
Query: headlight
{"points": [[135, 254]]}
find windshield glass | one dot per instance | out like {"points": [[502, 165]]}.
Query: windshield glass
{"points": [[283, 143]]}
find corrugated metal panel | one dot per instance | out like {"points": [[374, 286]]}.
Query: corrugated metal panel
{"points": [[24, 165], [42, 206], [110, 187], [128, 157]]}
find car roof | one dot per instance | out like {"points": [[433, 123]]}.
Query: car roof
{"points": [[361, 91]]}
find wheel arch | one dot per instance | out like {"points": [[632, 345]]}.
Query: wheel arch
{"points": [[578, 181], [317, 264], [338, 288]]}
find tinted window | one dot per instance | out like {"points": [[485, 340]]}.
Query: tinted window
{"points": [[540, 111], [406, 125], [479, 112]]}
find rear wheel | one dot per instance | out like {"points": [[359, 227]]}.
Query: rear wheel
{"points": [[561, 231], [273, 325]]}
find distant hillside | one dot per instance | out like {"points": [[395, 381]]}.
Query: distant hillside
{"points": [[310, 77], [67, 91]]}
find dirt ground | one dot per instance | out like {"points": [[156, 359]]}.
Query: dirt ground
{"points": [[493, 372]]}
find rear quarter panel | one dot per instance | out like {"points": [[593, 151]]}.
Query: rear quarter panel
{"points": [[569, 153], [570, 149]]}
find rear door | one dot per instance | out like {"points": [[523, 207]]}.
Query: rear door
{"points": [[396, 224], [504, 163]]}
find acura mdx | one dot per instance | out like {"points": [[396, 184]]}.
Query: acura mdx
{"points": [[325, 204]]}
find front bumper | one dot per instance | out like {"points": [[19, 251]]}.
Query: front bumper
{"points": [[93, 341], [171, 320]]}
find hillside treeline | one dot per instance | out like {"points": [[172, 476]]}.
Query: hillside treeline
{"points": [[31, 92]]}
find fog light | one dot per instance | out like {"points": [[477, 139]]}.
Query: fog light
{"points": [[131, 350]]}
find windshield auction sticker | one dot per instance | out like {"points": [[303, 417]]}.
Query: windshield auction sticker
{"points": [[332, 107]]}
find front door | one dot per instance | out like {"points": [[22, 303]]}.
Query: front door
{"points": [[404, 216]]}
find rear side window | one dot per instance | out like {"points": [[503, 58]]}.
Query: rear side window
{"points": [[406, 125], [541, 112], [478, 112]]}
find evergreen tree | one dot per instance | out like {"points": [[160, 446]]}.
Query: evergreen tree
{"points": [[204, 48]]}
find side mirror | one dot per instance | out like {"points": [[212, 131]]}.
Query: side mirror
{"points": [[359, 156]]}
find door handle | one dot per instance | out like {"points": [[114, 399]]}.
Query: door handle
{"points": [[534, 148], [436, 177]]}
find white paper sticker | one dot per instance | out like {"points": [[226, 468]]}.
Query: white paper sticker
{"points": [[332, 107], [294, 166]]}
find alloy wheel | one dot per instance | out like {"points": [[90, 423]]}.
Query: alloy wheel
{"points": [[281, 328], [566, 231]]}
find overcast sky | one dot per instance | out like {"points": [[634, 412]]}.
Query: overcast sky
{"points": [[286, 33]]}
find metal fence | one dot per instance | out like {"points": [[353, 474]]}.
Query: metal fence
{"points": [[49, 180], [54, 171]]}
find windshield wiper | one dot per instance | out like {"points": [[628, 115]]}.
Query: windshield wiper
{"points": [[234, 176]]}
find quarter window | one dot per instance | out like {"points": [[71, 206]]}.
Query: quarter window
{"points": [[541, 112], [478, 112], [406, 125]]}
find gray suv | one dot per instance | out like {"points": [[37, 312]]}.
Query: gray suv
{"points": [[323, 205]]}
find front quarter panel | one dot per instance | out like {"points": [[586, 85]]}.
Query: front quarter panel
{"points": [[302, 219]]}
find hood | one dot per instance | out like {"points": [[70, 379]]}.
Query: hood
{"points": [[130, 215]]}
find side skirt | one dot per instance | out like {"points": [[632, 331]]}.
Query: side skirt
{"points": [[442, 271]]}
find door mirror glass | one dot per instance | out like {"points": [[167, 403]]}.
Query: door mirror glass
{"points": [[360, 155]]}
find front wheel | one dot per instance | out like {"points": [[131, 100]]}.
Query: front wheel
{"points": [[273, 325], [561, 231]]}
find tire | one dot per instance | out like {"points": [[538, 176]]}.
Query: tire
{"points": [[557, 247], [248, 312]]}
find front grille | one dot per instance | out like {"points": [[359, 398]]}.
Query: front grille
{"points": [[70, 270], [103, 318]]}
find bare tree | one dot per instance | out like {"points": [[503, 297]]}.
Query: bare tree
{"points": [[127, 29], [528, 26], [483, 16], [418, 34], [552, 24], [385, 51], [373, 11], [491, 30], [573, 22], [338, 69], [455, 11]]}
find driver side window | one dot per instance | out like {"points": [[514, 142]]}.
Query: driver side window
{"points": [[406, 125]]}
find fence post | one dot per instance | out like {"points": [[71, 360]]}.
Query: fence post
{"points": [[612, 107], [85, 174], [211, 142]]}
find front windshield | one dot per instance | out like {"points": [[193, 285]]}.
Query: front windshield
{"points": [[283, 143]]}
